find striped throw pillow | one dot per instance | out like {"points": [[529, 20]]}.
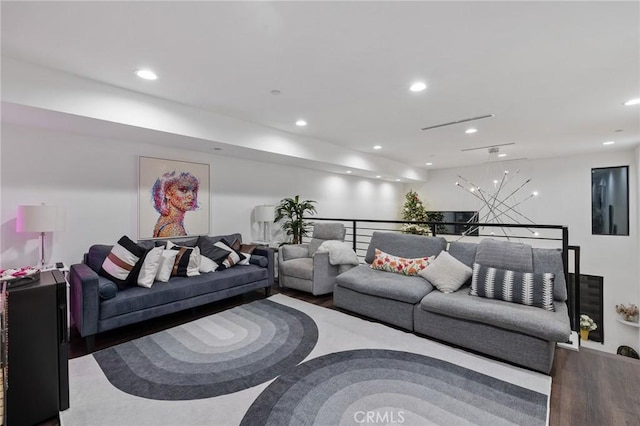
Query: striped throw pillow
{"points": [[525, 288], [123, 263]]}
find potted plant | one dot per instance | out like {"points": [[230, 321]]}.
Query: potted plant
{"points": [[586, 325], [629, 313], [293, 211]]}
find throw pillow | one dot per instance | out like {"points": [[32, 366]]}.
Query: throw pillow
{"points": [[166, 265], [400, 265], [187, 262], [209, 249], [232, 259], [526, 288], [245, 250], [150, 266], [121, 265], [446, 273], [207, 265]]}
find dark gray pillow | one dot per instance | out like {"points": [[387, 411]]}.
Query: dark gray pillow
{"points": [[96, 256], [525, 288], [256, 259], [107, 289], [209, 249]]}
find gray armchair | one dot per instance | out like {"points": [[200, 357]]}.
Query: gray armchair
{"points": [[300, 267]]}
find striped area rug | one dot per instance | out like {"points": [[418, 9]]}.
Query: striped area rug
{"points": [[282, 361]]}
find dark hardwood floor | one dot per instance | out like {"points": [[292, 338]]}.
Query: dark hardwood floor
{"points": [[588, 388]]}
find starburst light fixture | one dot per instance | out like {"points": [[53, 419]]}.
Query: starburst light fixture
{"points": [[499, 203]]}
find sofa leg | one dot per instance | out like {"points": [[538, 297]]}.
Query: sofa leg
{"points": [[267, 292], [90, 343]]}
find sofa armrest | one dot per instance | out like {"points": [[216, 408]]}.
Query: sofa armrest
{"points": [[84, 298], [294, 251], [324, 274], [268, 253]]}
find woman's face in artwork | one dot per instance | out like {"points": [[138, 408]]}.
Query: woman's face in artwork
{"points": [[182, 194]]}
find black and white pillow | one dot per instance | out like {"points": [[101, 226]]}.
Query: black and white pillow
{"points": [[187, 261], [245, 251], [123, 263], [232, 259], [526, 288]]}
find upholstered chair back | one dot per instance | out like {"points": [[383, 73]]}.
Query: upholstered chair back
{"points": [[324, 232]]}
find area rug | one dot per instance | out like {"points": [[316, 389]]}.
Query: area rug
{"points": [[291, 362]]}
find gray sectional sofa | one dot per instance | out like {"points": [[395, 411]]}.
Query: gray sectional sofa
{"points": [[93, 313], [520, 334]]}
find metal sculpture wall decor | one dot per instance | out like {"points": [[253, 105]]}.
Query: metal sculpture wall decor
{"points": [[501, 199]]}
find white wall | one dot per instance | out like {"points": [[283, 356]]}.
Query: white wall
{"points": [[564, 186], [95, 180]]}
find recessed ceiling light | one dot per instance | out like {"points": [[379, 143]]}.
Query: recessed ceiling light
{"points": [[418, 86], [630, 102], [397, 180], [146, 74], [470, 130], [608, 143], [502, 155], [377, 147], [429, 164], [378, 176], [275, 92], [348, 172], [301, 123]]}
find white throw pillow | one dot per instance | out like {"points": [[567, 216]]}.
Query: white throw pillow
{"points": [[150, 267], [446, 273], [207, 265], [166, 266]]}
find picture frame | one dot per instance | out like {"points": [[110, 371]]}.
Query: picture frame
{"points": [[173, 198]]}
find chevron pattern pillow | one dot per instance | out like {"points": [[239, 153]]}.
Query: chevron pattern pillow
{"points": [[525, 288]]}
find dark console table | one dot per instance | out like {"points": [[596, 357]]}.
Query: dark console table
{"points": [[38, 349]]}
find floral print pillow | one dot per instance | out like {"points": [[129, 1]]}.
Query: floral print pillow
{"points": [[400, 265]]}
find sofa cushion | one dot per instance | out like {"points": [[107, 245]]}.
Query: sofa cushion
{"points": [[168, 259], [400, 265], [550, 260], [446, 273], [404, 288], [301, 267], [529, 320], [505, 255], [136, 299], [123, 262], [404, 245], [463, 251], [525, 288]]}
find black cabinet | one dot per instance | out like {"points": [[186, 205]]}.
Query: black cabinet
{"points": [[38, 349]]}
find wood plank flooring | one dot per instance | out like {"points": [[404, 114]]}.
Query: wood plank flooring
{"points": [[589, 388]]}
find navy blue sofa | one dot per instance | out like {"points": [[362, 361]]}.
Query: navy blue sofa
{"points": [[92, 313]]}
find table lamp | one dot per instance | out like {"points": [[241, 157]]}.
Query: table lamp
{"points": [[40, 219], [265, 215]]}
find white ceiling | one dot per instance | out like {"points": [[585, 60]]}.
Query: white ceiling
{"points": [[555, 74]]}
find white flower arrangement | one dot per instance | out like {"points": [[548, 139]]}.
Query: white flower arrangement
{"points": [[586, 323]]}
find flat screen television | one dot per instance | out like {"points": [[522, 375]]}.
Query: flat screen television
{"points": [[464, 219]]}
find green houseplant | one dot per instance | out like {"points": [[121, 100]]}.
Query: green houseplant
{"points": [[292, 212]]}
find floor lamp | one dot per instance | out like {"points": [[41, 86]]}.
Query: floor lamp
{"points": [[265, 214], [39, 219]]}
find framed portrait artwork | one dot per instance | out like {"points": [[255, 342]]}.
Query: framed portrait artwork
{"points": [[173, 198]]}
